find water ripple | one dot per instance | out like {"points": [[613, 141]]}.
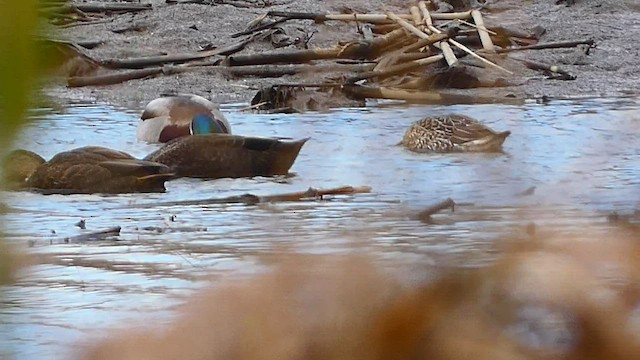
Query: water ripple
{"points": [[581, 156]]}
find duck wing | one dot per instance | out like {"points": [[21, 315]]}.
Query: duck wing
{"points": [[134, 167], [464, 129], [94, 170], [222, 155]]}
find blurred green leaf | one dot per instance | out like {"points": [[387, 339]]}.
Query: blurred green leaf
{"points": [[18, 26], [18, 59]]}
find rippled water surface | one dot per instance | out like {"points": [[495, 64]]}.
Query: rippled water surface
{"points": [[581, 157]]}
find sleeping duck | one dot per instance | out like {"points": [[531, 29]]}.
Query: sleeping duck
{"points": [[224, 155], [84, 170], [170, 117]]}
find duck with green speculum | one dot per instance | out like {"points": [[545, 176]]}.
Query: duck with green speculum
{"points": [[170, 117], [452, 133], [84, 170]]}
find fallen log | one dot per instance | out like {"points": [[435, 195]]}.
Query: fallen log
{"points": [[250, 199]]}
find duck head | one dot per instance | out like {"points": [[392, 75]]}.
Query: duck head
{"points": [[202, 124], [18, 166]]}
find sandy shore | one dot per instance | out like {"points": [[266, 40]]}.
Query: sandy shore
{"points": [[610, 69]]}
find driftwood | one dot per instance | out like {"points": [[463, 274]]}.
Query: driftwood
{"points": [[82, 23], [292, 69], [446, 49], [172, 229], [535, 65], [375, 18], [396, 69], [425, 215], [115, 78], [87, 44], [261, 27], [94, 236], [551, 45], [485, 38], [261, 71], [142, 62], [426, 97], [410, 44], [96, 8], [250, 199], [429, 28], [358, 50], [405, 53], [287, 56]]}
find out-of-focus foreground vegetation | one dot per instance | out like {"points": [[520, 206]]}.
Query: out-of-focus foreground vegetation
{"points": [[18, 71]]}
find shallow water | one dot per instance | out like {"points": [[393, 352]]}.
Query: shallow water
{"points": [[581, 156]]}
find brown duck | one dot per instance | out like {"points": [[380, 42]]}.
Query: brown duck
{"points": [[84, 170], [452, 133], [223, 155]]}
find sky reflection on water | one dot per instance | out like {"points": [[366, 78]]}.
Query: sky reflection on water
{"points": [[580, 155]]}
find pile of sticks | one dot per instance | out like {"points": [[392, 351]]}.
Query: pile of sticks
{"points": [[399, 56]]}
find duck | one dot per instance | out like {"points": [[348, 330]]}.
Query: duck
{"points": [[452, 133], [17, 167], [172, 116], [85, 170], [216, 156]]}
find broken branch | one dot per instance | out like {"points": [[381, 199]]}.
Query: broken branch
{"points": [[94, 236], [551, 45], [110, 79], [141, 62], [250, 199], [425, 215], [427, 97], [319, 17]]}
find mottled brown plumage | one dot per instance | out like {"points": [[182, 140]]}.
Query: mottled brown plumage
{"points": [[223, 155], [18, 166], [452, 133], [95, 169]]}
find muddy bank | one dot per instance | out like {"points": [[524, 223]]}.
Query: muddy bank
{"points": [[185, 28]]}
